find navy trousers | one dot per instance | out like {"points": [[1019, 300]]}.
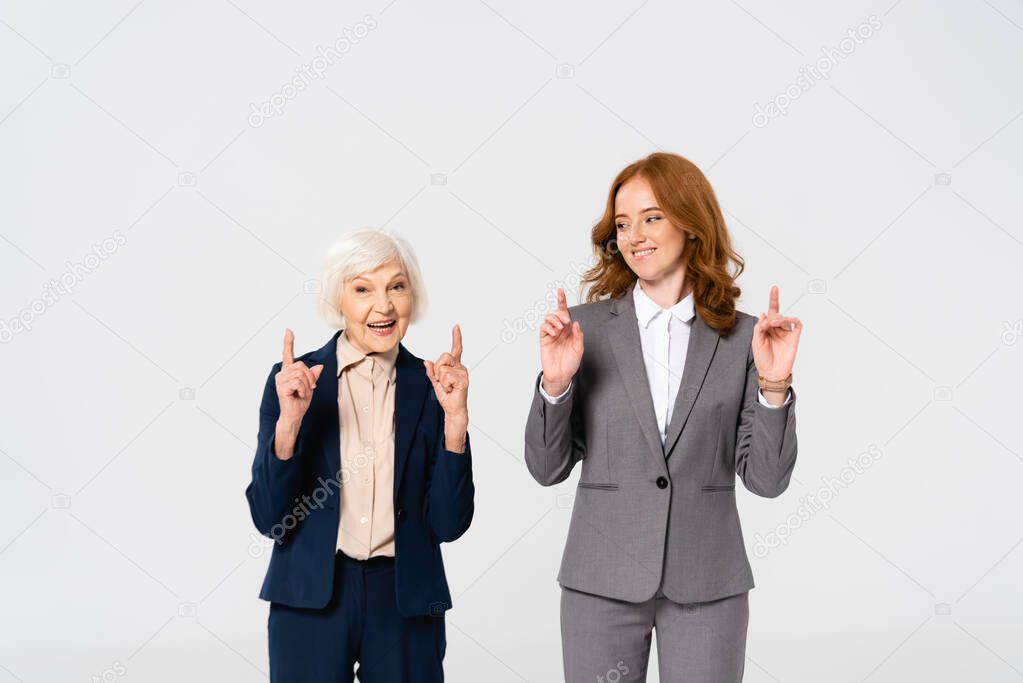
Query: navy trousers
{"points": [[361, 625]]}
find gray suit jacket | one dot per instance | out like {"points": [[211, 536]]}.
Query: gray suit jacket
{"points": [[642, 509]]}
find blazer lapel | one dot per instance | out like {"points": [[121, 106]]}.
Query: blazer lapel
{"points": [[410, 392], [703, 342], [623, 335], [324, 404], [411, 387]]}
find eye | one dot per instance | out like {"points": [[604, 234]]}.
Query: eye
{"points": [[400, 285], [621, 226], [360, 289], [653, 218]]}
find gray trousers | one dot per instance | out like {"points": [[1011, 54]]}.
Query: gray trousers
{"points": [[608, 641]]}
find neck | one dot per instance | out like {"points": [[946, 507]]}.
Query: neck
{"points": [[356, 345], [668, 290]]}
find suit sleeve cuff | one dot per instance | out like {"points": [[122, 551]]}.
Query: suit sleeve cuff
{"points": [[276, 464], [764, 402], [554, 400]]}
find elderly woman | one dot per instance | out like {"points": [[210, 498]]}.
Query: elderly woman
{"points": [[359, 475]]}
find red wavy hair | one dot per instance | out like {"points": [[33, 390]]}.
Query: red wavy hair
{"points": [[689, 203]]}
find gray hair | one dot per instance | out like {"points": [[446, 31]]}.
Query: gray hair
{"points": [[357, 253]]}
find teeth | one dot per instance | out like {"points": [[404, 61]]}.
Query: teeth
{"points": [[644, 252], [381, 325]]}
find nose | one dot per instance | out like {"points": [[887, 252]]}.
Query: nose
{"points": [[384, 303], [636, 235]]}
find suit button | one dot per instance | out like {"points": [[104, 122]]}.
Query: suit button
{"points": [[401, 514], [662, 483]]}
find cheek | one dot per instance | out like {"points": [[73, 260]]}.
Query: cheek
{"points": [[404, 307], [353, 311], [671, 239]]}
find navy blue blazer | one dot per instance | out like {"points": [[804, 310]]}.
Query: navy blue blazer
{"points": [[296, 502]]}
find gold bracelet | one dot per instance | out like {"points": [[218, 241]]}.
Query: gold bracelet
{"points": [[774, 384]]}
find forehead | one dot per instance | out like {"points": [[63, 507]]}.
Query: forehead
{"points": [[385, 271], [635, 194]]}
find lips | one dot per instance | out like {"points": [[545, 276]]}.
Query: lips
{"points": [[382, 329]]}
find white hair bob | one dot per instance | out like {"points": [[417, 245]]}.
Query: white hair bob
{"points": [[356, 253]]}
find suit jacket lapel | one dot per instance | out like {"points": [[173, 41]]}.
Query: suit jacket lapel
{"points": [[323, 408], [410, 392], [703, 342], [411, 389], [623, 330], [623, 335]]}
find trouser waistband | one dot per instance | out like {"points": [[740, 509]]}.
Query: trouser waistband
{"points": [[370, 564]]}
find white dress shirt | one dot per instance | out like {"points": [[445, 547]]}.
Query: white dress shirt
{"points": [[664, 337]]}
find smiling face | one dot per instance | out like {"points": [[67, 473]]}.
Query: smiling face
{"points": [[651, 246], [377, 307]]}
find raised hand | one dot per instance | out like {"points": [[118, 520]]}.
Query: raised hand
{"points": [[295, 383], [561, 348], [775, 338], [451, 379]]}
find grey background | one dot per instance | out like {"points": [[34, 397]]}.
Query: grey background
{"points": [[885, 204]]}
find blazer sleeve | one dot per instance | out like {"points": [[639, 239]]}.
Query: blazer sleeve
{"points": [[274, 484], [450, 495], [765, 444], [555, 439]]}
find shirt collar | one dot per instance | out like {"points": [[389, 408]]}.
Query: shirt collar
{"points": [[348, 355], [647, 309]]}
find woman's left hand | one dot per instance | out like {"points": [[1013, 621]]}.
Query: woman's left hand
{"points": [[775, 338], [451, 380]]}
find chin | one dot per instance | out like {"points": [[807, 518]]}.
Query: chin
{"points": [[383, 344], [388, 343], [643, 272]]}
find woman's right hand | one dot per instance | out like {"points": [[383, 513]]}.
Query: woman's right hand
{"points": [[295, 384], [561, 348]]}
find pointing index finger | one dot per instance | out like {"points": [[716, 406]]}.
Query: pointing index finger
{"points": [[772, 307], [456, 343], [562, 300], [289, 348]]}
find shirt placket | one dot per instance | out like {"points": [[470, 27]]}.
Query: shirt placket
{"points": [[366, 475], [664, 372]]}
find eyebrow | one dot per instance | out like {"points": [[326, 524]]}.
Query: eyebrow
{"points": [[365, 279], [652, 208]]}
